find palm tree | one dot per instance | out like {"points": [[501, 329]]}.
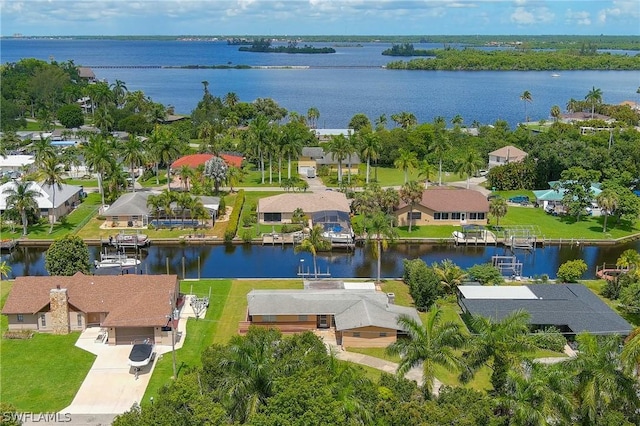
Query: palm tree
{"points": [[339, 149], [469, 165], [184, 202], [498, 209], [291, 144], [97, 156], [185, 173], [155, 205], [526, 98], [594, 97], [313, 114], [600, 381], [381, 122], [119, 90], [556, 113], [426, 170], [406, 162], [22, 198], [608, 202], [411, 194], [314, 243], [405, 119], [42, 150], [630, 355], [457, 120], [103, 120], [502, 343], [439, 146], [231, 99], [51, 173], [629, 259], [5, 269], [258, 133], [540, 396], [235, 175], [450, 274], [431, 345], [369, 148], [133, 154], [379, 230], [165, 151]]}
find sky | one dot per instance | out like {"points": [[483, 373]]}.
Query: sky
{"points": [[319, 17]]}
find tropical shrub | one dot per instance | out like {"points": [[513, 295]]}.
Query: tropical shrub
{"points": [[424, 284], [571, 271], [234, 219], [549, 338]]}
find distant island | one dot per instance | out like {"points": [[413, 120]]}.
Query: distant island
{"points": [[469, 59], [264, 45], [407, 49]]}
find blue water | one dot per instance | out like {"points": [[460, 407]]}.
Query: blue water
{"points": [[254, 261], [340, 85]]}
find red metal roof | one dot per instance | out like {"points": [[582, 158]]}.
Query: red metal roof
{"points": [[196, 160]]}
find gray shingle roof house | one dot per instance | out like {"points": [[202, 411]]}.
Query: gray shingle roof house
{"points": [[359, 317], [573, 308]]}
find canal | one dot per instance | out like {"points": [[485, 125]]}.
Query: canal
{"points": [[255, 261]]}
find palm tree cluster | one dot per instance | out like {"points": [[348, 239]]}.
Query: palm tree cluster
{"points": [[171, 204]]}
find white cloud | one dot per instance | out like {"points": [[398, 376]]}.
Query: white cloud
{"points": [[620, 10], [524, 16], [580, 18]]}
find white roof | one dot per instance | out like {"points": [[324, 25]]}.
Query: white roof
{"points": [[496, 292], [359, 285], [16, 160], [45, 197], [333, 132]]}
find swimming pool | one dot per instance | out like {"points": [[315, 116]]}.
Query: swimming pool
{"points": [[175, 223]]}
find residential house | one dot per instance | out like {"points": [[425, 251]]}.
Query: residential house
{"points": [[551, 199], [66, 198], [278, 209], [87, 74], [445, 206], [16, 163], [314, 157], [129, 307], [572, 308], [506, 154], [360, 318]]}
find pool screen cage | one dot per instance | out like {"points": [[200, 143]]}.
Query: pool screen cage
{"points": [[333, 217]]}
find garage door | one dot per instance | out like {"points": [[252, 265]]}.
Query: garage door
{"points": [[127, 335]]}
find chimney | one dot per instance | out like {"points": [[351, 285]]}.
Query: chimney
{"points": [[59, 303]]}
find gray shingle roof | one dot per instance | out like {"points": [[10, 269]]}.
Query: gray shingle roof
{"points": [[571, 305], [131, 204], [351, 308]]}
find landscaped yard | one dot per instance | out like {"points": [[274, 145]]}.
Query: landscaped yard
{"points": [[72, 223], [42, 373], [200, 333]]}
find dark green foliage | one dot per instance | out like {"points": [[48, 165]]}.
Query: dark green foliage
{"points": [[571, 271], [71, 116], [407, 49], [485, 274], [136, 124], [424, 284], [549, 338], [67, 256], [630, 297], [232, 226], [518, 175]]}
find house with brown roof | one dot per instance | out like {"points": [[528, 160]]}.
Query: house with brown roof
{"points": [[445, 206], [279, 208], [86, 73], [129, 307], [506, 154]]}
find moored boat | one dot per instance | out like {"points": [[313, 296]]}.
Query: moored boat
{"points": [[130, 240]]}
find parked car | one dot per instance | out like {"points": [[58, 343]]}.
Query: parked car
{"points": [[519, 199], [483, 173], [493, 197]]}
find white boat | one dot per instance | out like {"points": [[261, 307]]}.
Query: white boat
{"points": [[116, 261], [458, 236], [555, 75], [130, 240]]}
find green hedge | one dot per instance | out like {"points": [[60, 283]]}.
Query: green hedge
{"points": [[232, 228]]}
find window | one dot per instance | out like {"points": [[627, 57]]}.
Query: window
{"points": [[268, 318], [356, 334], [441, 216], [272, 217], [473, 216], [303, 318], [79, 320], [383, 334], [43, 320], [481, 216], [455, 216], [414, 215], [20, 318]]}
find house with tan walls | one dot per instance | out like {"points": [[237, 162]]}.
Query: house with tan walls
{"points": [[128, 307], [445, 206], [359, 317], [279, 208], [505, 155]]}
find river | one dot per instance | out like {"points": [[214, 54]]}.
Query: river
{"points": [[340, 85], [255, 261]]}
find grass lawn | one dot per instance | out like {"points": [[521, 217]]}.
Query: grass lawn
{"points": [[87, 183], [386, 176], [557, 227], [72, 224], [251, 198], [235, 309], [200, 333], [151, 182], [254, 177], [36, 374]]}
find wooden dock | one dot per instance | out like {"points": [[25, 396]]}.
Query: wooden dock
{"points": [[8, 245], [610, 272]]}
